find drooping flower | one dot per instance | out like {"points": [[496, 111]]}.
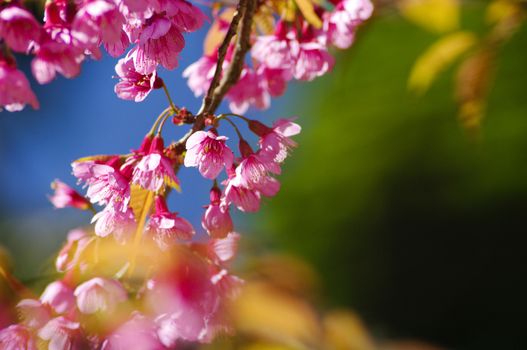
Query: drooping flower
{"points": [[59, 296], [15, 91], [17, 337], [139, 333], [208, 151], [275, 142], [246, 200], [166, 227], [105, 181], [216, 220], [100, 21], [248, 91], [65, 196], [159, 42], [186, 300], [183, 14], [33, 313], [277, 51], [254, 167], [18, 28], [61, 333], [154, 169], [132, 85], [99, 295], [69, 255], [200, 74], [115, 219], [313, 61], [340, 24]]}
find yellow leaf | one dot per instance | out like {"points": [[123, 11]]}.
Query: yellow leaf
{"points": [[308, 11], [345, 331], [265, 21], [501, 9], [285, 8], [437, 58], [215, 35], [138, 198], [270, 314], [438, 16]]}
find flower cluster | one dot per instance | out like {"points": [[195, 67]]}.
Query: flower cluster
{"points": [[138, 278], [74, 30], [294, 50]]}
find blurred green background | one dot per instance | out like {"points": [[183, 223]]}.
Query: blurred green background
{"points": [[409, 221]]}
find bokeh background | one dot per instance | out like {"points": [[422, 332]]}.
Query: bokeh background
{"points": [[405, 216]]}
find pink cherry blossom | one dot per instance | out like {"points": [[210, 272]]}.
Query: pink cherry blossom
{"points": [[246, 200], [18, 28], [61, 333], [99, 295], [15, 91], [115, 219], [139, 333], [59, 296], [69, 255], [277, 51], [183, 14], [254, 167], [159, 42], [359, 10], [208, 151], [132, 85], [105, 181], [216, 219], [200, 74], [17, 337], [275, 142], [33, 313], [65, 196], [166, 227], [248, 91], [313, 61], [186, 300], [54, 57], [150, 172], [99, 21]]}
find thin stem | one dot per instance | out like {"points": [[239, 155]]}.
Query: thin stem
{"points": [[154, 127], [223, 115], [163, 121], [174, 108], [235, 127], [222, 52]]}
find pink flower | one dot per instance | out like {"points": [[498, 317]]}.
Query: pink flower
{"points": [[17, 337], [183, 14], [160, 41], [15, 91], [115, 219], [65, 196], [275, 142], [18, 28], [154, 169], [248, 91], [106, 183], [277, 51], [54, 57], [246, 200], [340, 25], [254, 167], [208, 151], [99, 21], [132, 85], [71, 252], [139, 333], [59, 296], [200, 74], [99, 295], [33, 313], [61, 333], [186, 300], [217, 220], [313, 61], [166, 227]]}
